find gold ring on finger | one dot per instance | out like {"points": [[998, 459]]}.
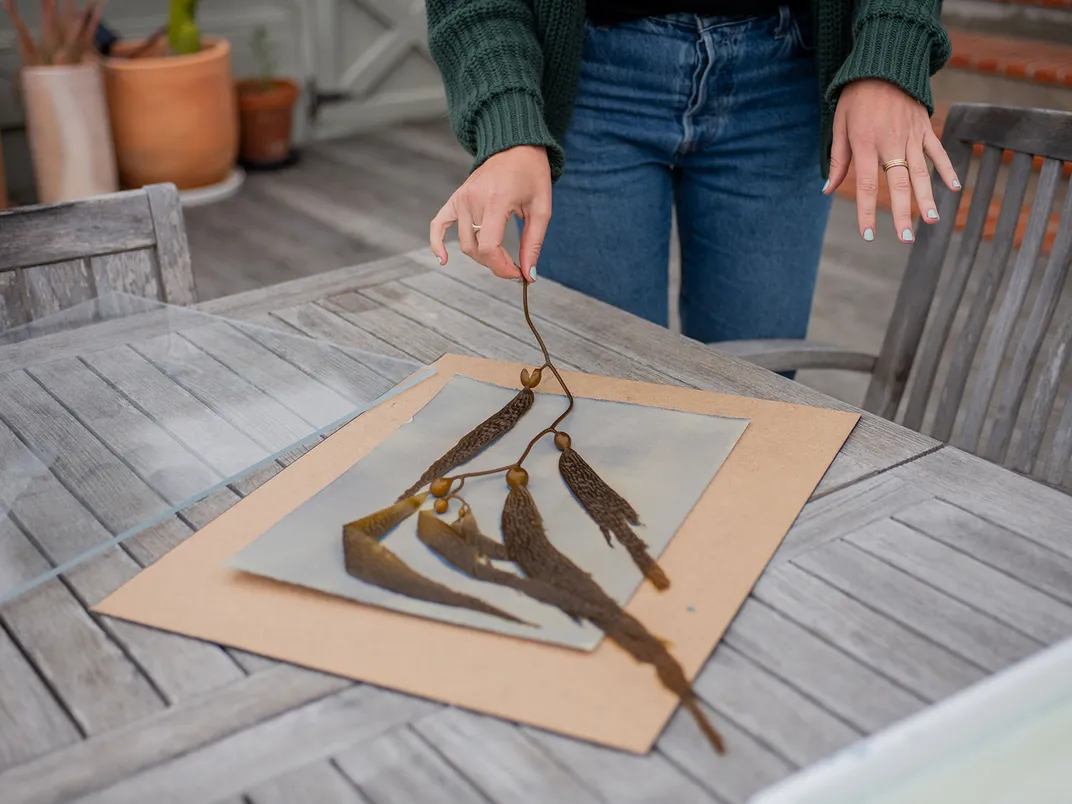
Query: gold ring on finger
{"points": [[895, 163]]}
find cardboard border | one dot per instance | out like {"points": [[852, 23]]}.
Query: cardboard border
{"points": [[603, 696]]}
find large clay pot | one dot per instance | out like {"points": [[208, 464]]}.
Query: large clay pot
{"points": [[68, 130], [266, 111], [174, 118]]}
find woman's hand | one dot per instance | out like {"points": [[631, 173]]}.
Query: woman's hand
{"points": [[516, 181], [876, 122]]}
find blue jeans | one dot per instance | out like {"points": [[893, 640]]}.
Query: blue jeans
{"points": [[717, 117]]}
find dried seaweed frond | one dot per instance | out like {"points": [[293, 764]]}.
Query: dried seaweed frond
{"points": [[467, 528], [610, 511], [369, 561], [478, 439], [378, 524], [527, 544]]}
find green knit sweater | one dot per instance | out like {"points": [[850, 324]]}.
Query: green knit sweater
{"points": [[511, 67]]}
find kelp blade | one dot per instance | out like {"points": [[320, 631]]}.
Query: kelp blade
{"points": [[477, 440]]}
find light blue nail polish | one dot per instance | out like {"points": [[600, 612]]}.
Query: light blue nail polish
{"points": [[826, 186], [906, 235], [869, 234], [932, 214], [956, 184], [532, 273]]}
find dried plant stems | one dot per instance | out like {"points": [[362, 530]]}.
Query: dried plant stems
{"points": [[527, 544], [369, 561], [476, 440], [67, 33], [609, 510]]}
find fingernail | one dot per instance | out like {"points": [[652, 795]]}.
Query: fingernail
{"points": [[932, 214], [906, 235], [826, 186], [532, 273], [956, 184], [869, 234]]}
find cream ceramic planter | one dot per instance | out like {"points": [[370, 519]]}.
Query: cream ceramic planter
{"points": [[69, 132]]}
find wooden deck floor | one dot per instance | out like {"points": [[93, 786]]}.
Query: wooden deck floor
{"points": [[348, 201]]}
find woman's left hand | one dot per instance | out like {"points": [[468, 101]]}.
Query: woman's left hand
{"points": [[877, 122]]}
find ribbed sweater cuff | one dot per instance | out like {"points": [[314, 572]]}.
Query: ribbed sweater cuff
{"points": [[897, 50], [511, 119]]}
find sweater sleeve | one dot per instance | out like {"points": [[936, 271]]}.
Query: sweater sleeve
{"points": [[491, 63], [901, 41]]}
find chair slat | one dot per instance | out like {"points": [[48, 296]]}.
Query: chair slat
{"points": [[942, 324], [916, 292], [1053, 366], [970, 337], [172, 248], [55, 287], [14, 306], [1012, 302], [1038, 323], [133, 272], [53, 233], [1061, 453]]}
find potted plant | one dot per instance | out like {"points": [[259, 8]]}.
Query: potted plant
{"points": [[173, 108], [63, 96], [266, 109]]}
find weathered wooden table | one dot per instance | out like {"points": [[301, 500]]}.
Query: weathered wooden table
{"points": [[915, 571]]}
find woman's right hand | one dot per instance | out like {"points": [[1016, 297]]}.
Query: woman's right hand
{"points": [[516, 181]]}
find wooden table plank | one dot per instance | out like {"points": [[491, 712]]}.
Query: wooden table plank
{"points": [[307, 398], [843, 685], [418, 342], [1039, 567], [122, 753], [225, 448], [962, 577], [401, 767], [311, 289], [500, 759], [902, 655], [834, 515], [574, 349], [926, 609], [163, 463], [32, 721], [791, 724], [1004, 498], [621, 777], [315, 321], [257, 754], [320, 783], [733, 777]]}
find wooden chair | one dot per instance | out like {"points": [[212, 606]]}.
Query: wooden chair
{"points": [[979, 373], [53, 256]]}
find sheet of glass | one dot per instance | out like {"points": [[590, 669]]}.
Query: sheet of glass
{"points": [[119, 412], [660, 460]]}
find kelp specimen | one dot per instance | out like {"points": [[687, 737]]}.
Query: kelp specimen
{"points": [[548, 575], [477, 440], [607, 509], [369, 561]]}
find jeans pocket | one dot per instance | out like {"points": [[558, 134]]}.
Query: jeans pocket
{"points": [[803, 32]]}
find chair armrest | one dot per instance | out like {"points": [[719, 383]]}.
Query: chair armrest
{"points": [[790, 355]]}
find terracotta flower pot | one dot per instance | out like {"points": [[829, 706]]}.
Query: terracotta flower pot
{"points": [[174, 118], [69, 134], [266, 111]]}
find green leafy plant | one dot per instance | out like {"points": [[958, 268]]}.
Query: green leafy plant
{"points": [[266, 53], [67, 32], [184, 37]]}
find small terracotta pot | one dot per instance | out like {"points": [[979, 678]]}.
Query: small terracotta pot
{"points": [[266, 111], [174, 118], [68, 129]]}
